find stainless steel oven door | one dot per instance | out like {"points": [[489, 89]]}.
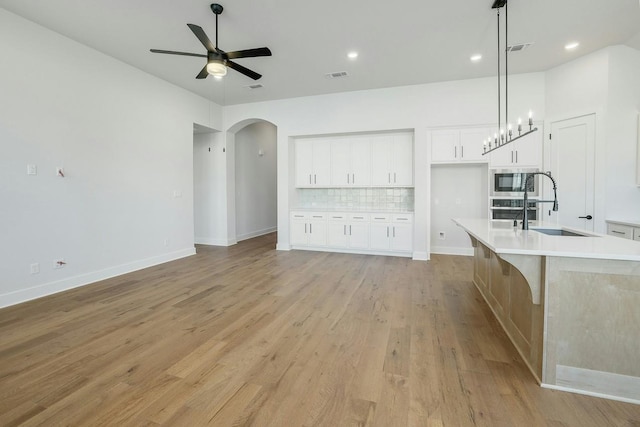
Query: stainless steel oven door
{"points": [[510, 209]]}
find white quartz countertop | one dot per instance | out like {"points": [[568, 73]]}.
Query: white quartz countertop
{"points": [[502, 237]]}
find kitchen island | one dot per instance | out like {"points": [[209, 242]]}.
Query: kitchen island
{"points": [[570, 304]]}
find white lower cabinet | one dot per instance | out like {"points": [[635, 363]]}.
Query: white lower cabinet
{"points": [[308, 229], [392, 232], [348, 231], [353, 232], [626, 230]]}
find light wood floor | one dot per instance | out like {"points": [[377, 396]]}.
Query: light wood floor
{"points": [[247, 335]]}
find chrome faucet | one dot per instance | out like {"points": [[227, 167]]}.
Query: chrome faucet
{"points": [[525, 212]]}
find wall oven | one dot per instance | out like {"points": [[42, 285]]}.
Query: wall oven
{"points": [[510, 183], [511, 209]]}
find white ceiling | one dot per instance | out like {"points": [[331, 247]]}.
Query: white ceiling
{"points": [[400, 43]]}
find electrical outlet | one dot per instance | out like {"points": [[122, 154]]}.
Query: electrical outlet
{"points": [[34, 268], [441, 235], [166, 242], [59, 263], [32, 170]]}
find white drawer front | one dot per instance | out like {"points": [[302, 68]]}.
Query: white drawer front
{"points": [[620, 230], [636, 234]]}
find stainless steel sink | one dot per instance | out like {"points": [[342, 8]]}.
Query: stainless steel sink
{"points": [[559, 232]]}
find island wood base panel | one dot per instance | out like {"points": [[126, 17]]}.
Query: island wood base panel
{"points": [[591, 341]]}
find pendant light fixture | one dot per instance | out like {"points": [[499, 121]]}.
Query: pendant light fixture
{"points": [[503, 137]]}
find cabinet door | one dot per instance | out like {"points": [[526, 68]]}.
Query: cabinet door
{"points": [[379, 236], [304, 163], [337, 234], [471, 145], [444, 145], [317, 232], [340, 162], [359, 235], [529, 150], [402, 160], [381, 160], [503, 157], [402, 237], [299, 230], [360, 161], [321, 163]]}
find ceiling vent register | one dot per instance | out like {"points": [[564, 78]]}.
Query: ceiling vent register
{"points": [[337, 75]]}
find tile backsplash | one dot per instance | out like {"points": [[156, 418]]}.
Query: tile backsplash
{"points": [[382, 199]]}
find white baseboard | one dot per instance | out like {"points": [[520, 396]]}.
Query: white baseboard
{"points": [[50, 288], [253, 234], [421, 256], [214, 242], [283, 247], [448, 250]]}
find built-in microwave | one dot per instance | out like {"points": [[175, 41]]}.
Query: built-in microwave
{"points": [[510, 182]]}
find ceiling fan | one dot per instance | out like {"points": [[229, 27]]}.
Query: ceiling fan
{"points": [[217, 59]]}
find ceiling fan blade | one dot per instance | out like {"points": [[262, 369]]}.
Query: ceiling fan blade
{"points": [[200, 34], [203, 73], [172, 52], [244, 70], [248, 53]]}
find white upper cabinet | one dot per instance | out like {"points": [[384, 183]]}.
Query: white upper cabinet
{"points": [[313, 163], [350, 161], [383, 160], [525, 152], [392, 160], [458, 145]]}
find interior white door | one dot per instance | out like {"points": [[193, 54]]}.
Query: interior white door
{"points": [[573, 166]]}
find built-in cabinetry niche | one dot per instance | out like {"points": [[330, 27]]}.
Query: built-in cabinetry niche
{"points": [[363, 160], [465, 145], [354, 193]]}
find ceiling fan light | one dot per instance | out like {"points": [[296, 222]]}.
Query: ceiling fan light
{"points": [[216, 69]]}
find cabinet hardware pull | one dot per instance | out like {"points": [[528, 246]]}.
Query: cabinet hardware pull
{"points": [[394, 177], [378, 218], [314, 179], [344, 229], [310, 229], [387, 231], [349, 230], [617, 232], [394, 232], [516, 156], [305, 229], [455, 152], [310, 179], [358, 217], [462, 152], [389, 177]]}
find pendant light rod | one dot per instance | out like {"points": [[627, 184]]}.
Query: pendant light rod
{"points": [[504, 136]]}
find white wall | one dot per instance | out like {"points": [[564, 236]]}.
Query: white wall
{"points": [[605, 83], [255, 177], [623, 105], [467, 102], [209, 179], [125, 141], [457, 191]]}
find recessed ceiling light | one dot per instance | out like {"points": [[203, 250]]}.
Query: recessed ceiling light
{"points": [[476, 57], [352, 55], [571, 46]]}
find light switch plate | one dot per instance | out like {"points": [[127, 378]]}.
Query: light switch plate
{"points": [[32, 170]]}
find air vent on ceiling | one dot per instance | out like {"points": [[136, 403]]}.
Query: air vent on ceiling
{"points": [[336, 75], [255, 86], [518, 47]]}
